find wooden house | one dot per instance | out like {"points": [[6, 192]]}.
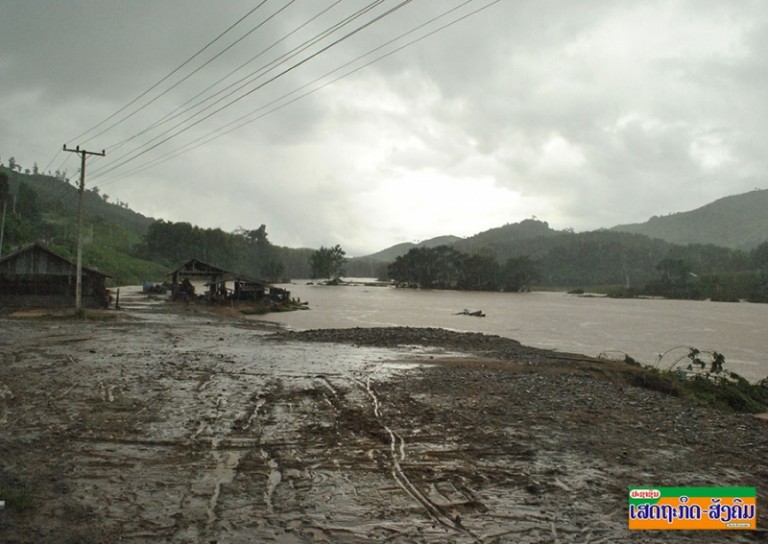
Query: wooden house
{"points": [[194, 272], [220, 284], [243, 288], [34, 276]]}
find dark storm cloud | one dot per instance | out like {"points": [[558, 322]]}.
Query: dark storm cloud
{"points": [[586, 114]]}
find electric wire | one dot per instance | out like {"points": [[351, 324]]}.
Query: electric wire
{"points": [[150, 89], [243, 121], [166, 77], [195, 71], [250, 78], [181, 109], [96, 159], [258, 87]]}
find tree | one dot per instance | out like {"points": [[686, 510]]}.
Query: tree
{"points": [[4, 187], [759, 256], [27, 206], [429, 268], [674, 271], [260, 253], [517, 274], [479, 273], [328, 262]]}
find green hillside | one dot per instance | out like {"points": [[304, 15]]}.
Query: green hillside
{"points": [[44, 208], [739, 222], [126, 245], [56, 193], [510, 240]]}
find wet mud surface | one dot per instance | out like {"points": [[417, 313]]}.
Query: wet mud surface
{"points": [[178, 426]]}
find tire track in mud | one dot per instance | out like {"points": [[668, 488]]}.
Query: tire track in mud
{"points": [[397, 456], [199, 516]]}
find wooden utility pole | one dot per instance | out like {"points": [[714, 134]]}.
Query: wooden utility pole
{"points": [[79, 282]]}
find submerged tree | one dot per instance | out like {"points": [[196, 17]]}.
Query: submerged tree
{"points": [[328, 262], [518, 273]]}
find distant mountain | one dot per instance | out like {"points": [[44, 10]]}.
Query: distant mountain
{"points": [[510, 240], [501, 240], [391, 253], [375, 265], [737, 222]]}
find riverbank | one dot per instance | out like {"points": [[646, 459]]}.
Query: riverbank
{"points": [[181, 426], [643, 329]]}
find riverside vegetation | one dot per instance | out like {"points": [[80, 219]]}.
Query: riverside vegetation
{"points": [[132, 248], [702, 377]]}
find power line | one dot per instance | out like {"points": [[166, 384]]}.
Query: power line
{"points": [[154, 86], [241, 121], [137, 153], [120, 144], [251, 78], [140, 96], [196, 70], [176, 113]]}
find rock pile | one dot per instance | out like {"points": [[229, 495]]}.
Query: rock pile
{"points": [[470, 342]]}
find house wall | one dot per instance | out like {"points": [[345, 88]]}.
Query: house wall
{"points": [[36, 262], [37, 278], [27, 298]]}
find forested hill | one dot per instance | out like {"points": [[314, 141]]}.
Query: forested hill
{"points": [[132, 248], [59, 193], [126, 245], [512, 239], [42, 208], [601, 260], [738, 222], [391, 253]]}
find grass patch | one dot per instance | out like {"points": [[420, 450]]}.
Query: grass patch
{"points": [[706, 383]]}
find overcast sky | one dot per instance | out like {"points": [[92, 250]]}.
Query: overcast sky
{"points": [[584, 114]]}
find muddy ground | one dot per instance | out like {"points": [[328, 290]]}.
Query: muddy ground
{"points": [[169, 424]]}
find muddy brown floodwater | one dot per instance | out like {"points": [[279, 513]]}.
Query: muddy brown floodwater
{"points": [[169, 424]]}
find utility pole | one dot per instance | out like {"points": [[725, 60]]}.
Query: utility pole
{"points": [[79, 282]]}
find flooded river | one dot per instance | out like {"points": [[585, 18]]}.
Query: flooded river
{"points": [[644, 329]]}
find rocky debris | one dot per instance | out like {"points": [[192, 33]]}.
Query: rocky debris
{"points": [[488, 345], [402, 336]]}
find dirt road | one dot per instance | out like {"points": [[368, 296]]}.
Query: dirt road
{"points": [[178, 426]]}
